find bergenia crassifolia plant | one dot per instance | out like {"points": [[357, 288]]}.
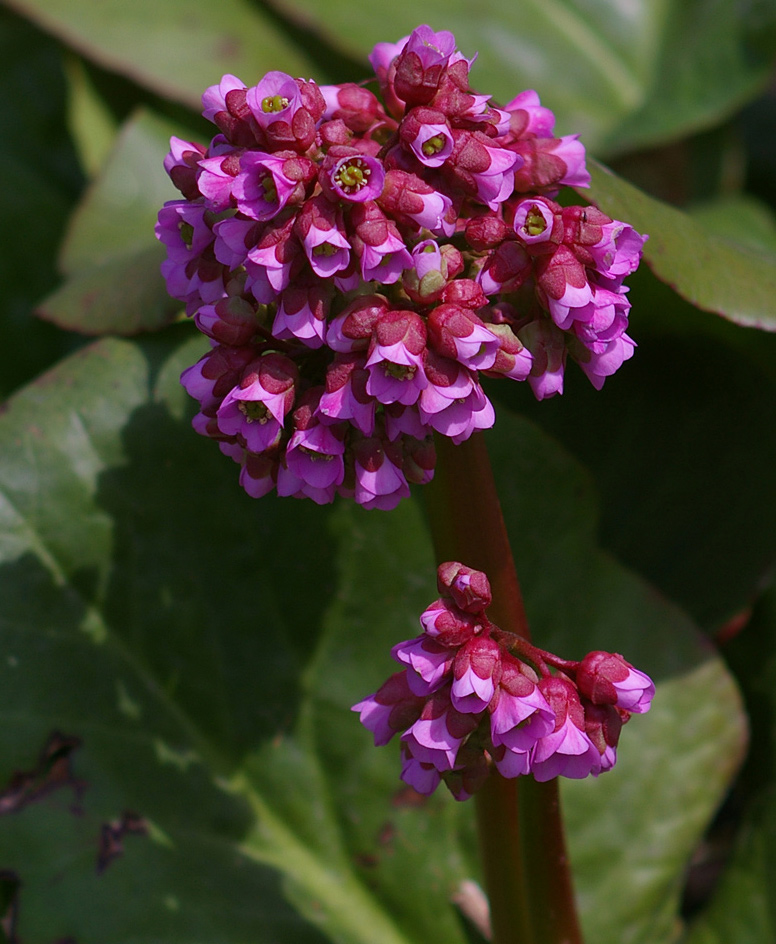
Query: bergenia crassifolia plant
{"points": [[360, 257]]}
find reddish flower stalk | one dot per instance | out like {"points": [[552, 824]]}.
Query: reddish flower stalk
{"points": [[533, 905]]}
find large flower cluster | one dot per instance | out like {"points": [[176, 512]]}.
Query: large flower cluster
{"points": [[358, 263], [472, 697]]}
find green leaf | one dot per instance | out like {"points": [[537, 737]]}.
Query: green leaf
{"points": [[207, 648], [125, 295], [110, 255], [740, 218], [41, 182], [712, 273], [176, 48], [93, 127], [742, 906], [623, 76]]}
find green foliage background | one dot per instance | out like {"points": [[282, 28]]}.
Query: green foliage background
{"points": [[205, 648]]}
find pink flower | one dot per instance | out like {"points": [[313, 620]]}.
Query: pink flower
{"points": [[230, 321], [451, 626], [270, 262], [538, 224], [267, 181], [469, 589], [392, 708], [482, 169], [214, 98], [395, 361], [216, 179], [256, 409], [439, 731], [345, 396], [424, 778], [476, 671], [563, 282], [319, 227], [529, 117], [548, 351], [357, 107], [567, 751], [420, 65], [505, 269], [357, 178], [408, 198], [598, 365], [453, 403], [379, 480], [607, 679], [460, 335], [301, 314], [276, 98], [427, 133], [429, 661], [519, 713], [181, 164], [381, 250]]}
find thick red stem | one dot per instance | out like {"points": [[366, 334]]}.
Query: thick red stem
{"points": [[520, 828]]}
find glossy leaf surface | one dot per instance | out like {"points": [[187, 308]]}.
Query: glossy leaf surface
{"points": [[206, 648]]}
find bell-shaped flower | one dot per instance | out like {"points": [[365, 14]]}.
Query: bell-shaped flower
{"points": [[430, 662], [257, 407], [476, 672], [345, 396], [484, 170], [607, 679], [567, 751], [379, 479], [411, 200], [458, 334], [395, 361], [391, 709], [320, 229], [519, 713]]}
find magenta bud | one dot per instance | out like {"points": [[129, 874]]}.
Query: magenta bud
{"points": [[605, 678], [469, 589]]}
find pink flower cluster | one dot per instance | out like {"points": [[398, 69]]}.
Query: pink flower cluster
{"points": [[472, 698], [357, 262]]}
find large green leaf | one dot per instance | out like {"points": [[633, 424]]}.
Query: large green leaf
{"points": [[742, 908], [109, 257], [177, 48], [206, 648], [718, 275], [41, 181], [623, 75]]}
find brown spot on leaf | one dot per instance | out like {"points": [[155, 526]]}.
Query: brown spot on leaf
{"points": [[366, 860], [386, 834], [112, 837], [53, 772]]}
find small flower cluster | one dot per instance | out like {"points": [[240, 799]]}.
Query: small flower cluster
{"points": [[358, 262], [473, 697]]}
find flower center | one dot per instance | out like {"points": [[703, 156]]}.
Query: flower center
{"points": [[353, 175], [398, 371], [324, 249], [273, 103], [186, 231], [270, 190], [253, 411], [535, 224], [315, 456], [433, 145]]}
